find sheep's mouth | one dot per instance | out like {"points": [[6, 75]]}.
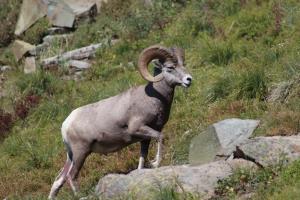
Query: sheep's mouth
{"points": [[186, 85]]}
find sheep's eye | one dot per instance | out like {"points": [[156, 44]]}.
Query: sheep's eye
{"points": [[171, 67]]}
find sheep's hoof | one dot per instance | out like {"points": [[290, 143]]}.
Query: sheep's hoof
{"points": [[154, 164]]}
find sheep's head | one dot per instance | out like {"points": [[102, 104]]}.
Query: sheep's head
{"points": [[170, 64]]}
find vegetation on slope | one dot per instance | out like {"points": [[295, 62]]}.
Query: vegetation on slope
{"points": [[235, 51]]}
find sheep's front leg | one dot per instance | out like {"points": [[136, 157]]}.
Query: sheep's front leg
{"points": [[148, 132], [155, 163]]}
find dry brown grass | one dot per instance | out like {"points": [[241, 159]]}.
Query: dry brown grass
{"points": [[283, 123]]}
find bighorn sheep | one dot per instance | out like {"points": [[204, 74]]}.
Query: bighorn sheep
{"points": [[136, 115]]}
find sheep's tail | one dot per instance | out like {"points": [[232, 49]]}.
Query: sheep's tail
{"points": [[69, 151]]}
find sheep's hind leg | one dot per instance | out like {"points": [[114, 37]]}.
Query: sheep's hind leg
{"points": [[60, 179], [79, 157]]}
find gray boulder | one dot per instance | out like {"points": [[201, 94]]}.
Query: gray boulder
{"points": [[144, 184], [270, 151], [220, 139], [29, 65], [31, 11], [20, 48], [5, 68], [202, 179]]}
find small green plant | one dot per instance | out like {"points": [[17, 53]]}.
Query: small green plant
{"points": [[35, 34], [38, 83], [284, 186], [229, 7], [167, 193], [220, 89], [253, 24], [172, 193], [252, 85], [12, 146], [102, 31], [35, 156], [7, 58], [218, 52], [243, 181], [9, 10]]}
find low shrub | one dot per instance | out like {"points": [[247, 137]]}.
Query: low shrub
{"points": [[23, 106], [6, 121]]}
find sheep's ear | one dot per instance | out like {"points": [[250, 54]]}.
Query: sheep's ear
{"points": [[157, 67], [157, 64]]}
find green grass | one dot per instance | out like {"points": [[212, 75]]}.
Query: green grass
{"points": [[36, 32], [231, 52], [9, 10], [275, 183]]}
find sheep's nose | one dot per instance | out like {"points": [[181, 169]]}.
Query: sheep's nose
{"points": [[187, 80]]}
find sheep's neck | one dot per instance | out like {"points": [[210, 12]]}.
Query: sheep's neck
{"points": [[164, 90]]}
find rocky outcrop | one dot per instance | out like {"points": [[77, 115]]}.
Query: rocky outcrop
{"points": [[61, 13], [220, 140], [31, 11], [202, 179], [145, 183]]}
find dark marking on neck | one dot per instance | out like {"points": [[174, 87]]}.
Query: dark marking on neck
{"points": [[152, 92]]}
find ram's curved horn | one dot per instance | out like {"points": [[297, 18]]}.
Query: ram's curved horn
{"points": [[149, 54]]}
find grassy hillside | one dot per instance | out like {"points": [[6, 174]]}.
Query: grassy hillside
{"points": [[235, 50]]}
